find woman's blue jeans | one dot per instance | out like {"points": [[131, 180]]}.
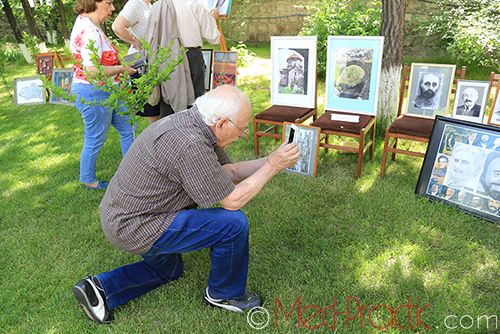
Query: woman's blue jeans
{"points": [[225, 232], [96, 121]]}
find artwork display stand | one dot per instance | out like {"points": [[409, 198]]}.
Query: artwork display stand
{"points": [[293, 86], [351, 94]]}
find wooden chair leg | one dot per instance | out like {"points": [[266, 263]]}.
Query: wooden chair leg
{"points": [[327, 137], [395, 145], [360, 153], [372, 138], [384, 156], [276, 131], [256, 136]]}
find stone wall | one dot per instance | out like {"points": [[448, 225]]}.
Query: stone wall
{"points": [[272, 18], [282, 18]]}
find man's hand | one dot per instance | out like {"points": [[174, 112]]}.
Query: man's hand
{"points": [[215, 13], [285, 156]]}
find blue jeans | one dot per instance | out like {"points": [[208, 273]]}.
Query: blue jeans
{"points": [[96, 121], [224, 231]]}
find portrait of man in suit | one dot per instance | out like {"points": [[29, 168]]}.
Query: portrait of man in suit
{"points": [[470, 96]]}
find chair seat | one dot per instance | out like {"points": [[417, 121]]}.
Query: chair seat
{"points": [[282, 113], [325, 123], [412, 126]]}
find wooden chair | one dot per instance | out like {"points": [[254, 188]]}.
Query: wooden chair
{"points": [[494, 82], [289, 107], [410, 127], [274, 117], [64, 59], [358, 130]]}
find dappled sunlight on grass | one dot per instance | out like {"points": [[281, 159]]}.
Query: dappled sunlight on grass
{"points": [[394, 262], [48, 161], [18, 184]]}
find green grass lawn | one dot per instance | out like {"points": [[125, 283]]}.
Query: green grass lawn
{"points": [[321, 241]]}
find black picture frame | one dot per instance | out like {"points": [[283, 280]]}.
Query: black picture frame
{"points": [[462, 167], [208, 61]]}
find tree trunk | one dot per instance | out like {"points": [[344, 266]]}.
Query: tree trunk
{"points": [[12, 21], [17, 33], [63, 21], [30, 19], [392, 28]]}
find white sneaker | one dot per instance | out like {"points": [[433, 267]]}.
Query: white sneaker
{"points": [[92, 301]]}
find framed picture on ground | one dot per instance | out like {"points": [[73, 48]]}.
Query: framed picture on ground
{"points": [[28, 91], [307, 137], [430, 89], [207, 59], [293, 71], [494, 118], [462, 167], [44, 63], [224, 68], [470, 100], [62, 77], [352, 73]]}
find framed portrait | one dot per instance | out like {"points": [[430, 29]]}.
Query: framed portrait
{"points": [[352, 73], [462, 167], [207, 59], [307, 137], [223, 6], [62, 77], [224, 68], [28, 91], [45, 63], [429, 89], [470, 100], [494, 117], [293, 71]]}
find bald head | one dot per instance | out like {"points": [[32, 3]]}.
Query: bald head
{"points": [[470, 96]]}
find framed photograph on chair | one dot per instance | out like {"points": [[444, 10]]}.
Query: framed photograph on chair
{"points": [[28, 90], [62, 77], [470, 100], [207, 59], [225, 68], [494, 117], [430, 89], [307, 137], [353, 73], [293, 71], [461, 167]]}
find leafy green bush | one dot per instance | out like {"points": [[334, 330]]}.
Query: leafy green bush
{"points": [[245, 56], [468, 29], [340, 17], [122, 94]]}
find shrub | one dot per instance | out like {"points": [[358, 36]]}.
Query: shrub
{"points": [[340, 17], [468, 29]]}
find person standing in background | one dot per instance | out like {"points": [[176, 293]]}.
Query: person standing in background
{"points": [[96, 118], [130, 27], [191, 23]]}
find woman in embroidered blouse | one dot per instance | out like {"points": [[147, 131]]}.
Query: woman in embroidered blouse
{"points": [[96, 119]]}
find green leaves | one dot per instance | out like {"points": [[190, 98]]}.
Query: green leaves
{"points": [[122, 94], [331, 17], [468, 29]]}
